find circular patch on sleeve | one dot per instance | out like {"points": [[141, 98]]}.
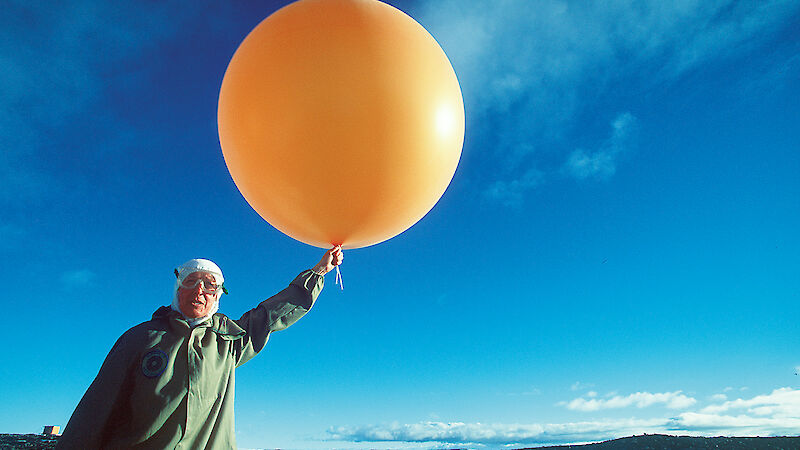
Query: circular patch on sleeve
{"points": [[154, 363]]}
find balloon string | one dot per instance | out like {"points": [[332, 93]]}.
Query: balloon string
{"points": [[339, 278]]}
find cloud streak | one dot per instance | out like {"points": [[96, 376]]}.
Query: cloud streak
{"points": [[672, 400], [76, 279]]}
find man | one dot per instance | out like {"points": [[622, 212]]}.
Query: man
{"points": [[169, 382]]}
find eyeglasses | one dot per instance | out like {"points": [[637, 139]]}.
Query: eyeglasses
{"points": [[209, 286]]}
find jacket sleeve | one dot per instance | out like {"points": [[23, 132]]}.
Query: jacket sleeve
{"points": [[277, 313], [93, 419]]}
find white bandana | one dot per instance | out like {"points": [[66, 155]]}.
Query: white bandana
{"points": [[188, 268]]}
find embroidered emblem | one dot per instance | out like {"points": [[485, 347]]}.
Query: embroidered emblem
{"points": [[154, 363]]}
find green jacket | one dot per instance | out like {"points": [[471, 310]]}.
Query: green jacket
{"points": [[166, 385]]}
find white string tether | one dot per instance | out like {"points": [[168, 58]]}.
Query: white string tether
{"points": [[339, 278]]}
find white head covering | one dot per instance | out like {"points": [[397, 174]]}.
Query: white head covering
{"points": [[189, 267]]}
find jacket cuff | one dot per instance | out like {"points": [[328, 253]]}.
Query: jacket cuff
{"points": [[311, 283]]}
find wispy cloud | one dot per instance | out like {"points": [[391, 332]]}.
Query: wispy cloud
{"points": [[511, 192], [602, 163], [774, 414], [672, 400], [579, 386], [531, 391], [80, 278], [530, 70]]}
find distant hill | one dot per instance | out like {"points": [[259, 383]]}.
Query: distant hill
{"points": [[664, 442]]}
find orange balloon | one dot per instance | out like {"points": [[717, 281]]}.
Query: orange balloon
{"points": [[341, 121]]}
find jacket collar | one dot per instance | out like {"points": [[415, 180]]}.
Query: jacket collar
{"points": [[225, 327], [219, 323]]}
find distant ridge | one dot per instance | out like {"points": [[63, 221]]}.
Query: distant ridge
{"points": [[666, 442]]}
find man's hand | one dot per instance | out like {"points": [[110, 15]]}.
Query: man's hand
{"points": [[330, 259]]}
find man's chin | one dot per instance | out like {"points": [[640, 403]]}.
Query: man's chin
{"points": [[194, 312]]}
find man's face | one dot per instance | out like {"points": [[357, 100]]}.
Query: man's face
{"points": [[196, 301]]}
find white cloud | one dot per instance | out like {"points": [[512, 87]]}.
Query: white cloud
{"points": [[741, 425], [774, 414], [672, 400], [784, 402], [719, 397], [460, 432]]}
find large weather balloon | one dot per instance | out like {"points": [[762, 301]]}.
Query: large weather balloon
{"points": [[341, 121]]}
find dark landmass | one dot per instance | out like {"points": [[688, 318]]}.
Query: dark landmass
{"points": [[31, 441], [664, 442]]}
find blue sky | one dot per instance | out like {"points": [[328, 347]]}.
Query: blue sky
{"points": [[616, 254]]}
